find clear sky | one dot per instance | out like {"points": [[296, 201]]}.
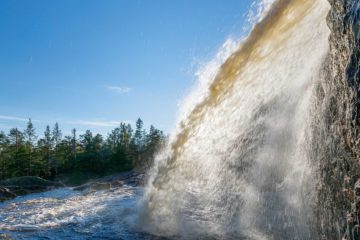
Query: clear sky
{"points": [[90, 64]]}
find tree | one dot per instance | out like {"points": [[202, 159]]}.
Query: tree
{"points": [[4, 145], [154, 141], [87, 140], [30, 136], [17, 153], [97, 142], [74, 144], [56, 139], [48, 138], [91, 155], [16, 138], [30, 139], [113, 139], [65, 155], [139, 136], [43, 153], [56, 135], [48, 145]]}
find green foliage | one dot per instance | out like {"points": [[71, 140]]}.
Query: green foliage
{"points": [[53, 156]]}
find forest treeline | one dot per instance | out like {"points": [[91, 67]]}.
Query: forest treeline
{"points": [[52, 156]]}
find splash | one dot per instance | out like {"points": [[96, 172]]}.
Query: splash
{"points": [[68, 214], [237, 164]]}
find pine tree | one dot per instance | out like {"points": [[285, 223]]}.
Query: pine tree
{"points": [[16, 138], [50, 156], [17, 153]]}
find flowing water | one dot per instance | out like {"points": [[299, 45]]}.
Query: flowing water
{"points": [[237, 165], [68, 214]]}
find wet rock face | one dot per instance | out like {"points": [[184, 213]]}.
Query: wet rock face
{"points": [[343, 21], [336, 137]]}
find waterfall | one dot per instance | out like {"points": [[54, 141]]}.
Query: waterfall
{"points": [[238, 164]]}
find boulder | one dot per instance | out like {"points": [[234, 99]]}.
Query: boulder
{"points": [[5, 194]]}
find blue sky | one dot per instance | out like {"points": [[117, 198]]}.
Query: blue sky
{"points": [[91, 64]]}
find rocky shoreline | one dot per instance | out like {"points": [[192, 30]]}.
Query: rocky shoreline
{"points": [[133, 178], [11, 188], [20, 186]]}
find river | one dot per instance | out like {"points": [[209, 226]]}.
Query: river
{"points": [[68, 214]]}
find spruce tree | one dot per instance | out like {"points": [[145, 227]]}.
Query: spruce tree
{"points": [[30, 139], [56, 139], [74, 144], [48, 146]]}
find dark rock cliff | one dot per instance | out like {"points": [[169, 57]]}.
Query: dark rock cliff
{"points": [[336, 137]]}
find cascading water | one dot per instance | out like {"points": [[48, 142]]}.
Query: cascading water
{"points": [[261, 151], [238, 164]]}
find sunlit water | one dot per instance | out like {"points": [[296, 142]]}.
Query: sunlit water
{"points": [[68, 214], [237, 166]]}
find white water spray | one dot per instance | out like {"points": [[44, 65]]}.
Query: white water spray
{"points": [[237, 165]]}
